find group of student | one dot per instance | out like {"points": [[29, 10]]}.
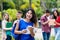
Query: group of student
{"points": [[24, 28], [46, 28]]}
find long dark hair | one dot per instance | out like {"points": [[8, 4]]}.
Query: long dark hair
{"points": [[5, 15], [34, 17], [54, 15]]}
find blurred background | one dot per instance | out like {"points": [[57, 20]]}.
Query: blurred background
{"points": [[12, 6]]}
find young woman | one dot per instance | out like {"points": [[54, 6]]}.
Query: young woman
{"points": [[26, 26], [57, 22], [55, 15], [5, 33]]}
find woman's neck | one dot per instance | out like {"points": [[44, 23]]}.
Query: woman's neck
{"points": [[27, 20], [4, 19]]}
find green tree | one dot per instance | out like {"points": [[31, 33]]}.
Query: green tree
{"points": [[18, 3], [49, 4], [35, 4], [12, 13], [58, 3], [8, 4], [23, 5], [0, 16]]}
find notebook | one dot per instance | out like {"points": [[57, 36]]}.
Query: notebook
{"points": [[9, 24]]}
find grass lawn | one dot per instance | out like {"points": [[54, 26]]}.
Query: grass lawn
{"points": [[52, 38]]}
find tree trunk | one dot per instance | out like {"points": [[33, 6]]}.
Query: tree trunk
{"points": [[30, 3], [43, 4]]}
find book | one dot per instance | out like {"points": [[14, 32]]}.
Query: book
{"points": [[9, 24], [52, 22]]}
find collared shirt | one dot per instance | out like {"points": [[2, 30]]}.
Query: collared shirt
{"points": [[46, 27]]}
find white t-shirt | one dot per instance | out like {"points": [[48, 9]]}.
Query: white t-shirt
{"points": [[3, 31]]}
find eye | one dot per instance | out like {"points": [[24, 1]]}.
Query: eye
{"points": [[28, 12]]}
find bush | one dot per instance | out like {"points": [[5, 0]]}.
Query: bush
{"points": [[12, 13], [0, 16], [39, 12]]}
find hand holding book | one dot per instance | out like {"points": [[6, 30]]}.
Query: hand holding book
{"points": [[52, 22]]}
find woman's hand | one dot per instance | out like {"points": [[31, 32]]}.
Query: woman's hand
{"points": [[31, 31], [23, 31], [30, 28]]}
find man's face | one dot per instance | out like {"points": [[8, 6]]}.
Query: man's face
{"points": [[19, 15], [47, 14]]}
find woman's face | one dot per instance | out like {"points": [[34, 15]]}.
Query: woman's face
{"points": [[29, 14], [55, 13], [6, 16]]}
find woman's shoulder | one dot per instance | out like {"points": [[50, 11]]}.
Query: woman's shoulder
{"points": [[4, 21], [18, 20], [58, 16], [21, 20]]}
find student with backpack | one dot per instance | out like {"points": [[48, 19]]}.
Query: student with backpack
{"points": [[18, 15]]}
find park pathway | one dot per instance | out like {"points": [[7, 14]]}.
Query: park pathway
{"points": [[38, 35]]}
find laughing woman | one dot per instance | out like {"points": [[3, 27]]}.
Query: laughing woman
{"points": [[26, 26]]}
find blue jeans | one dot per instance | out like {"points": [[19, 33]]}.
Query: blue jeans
{"points": [[57, 33], [8, 37], [56, 30], [46, 36]]}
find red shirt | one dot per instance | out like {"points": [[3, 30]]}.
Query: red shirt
{"points": [[57, 20]]}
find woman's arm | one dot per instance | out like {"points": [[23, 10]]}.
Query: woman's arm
{"points": [[17, 30], [57, 23], [32, 31], [4, 26], [7, 28]]}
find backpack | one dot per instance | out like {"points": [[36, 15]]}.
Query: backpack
{"points": [[12, 32]]}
